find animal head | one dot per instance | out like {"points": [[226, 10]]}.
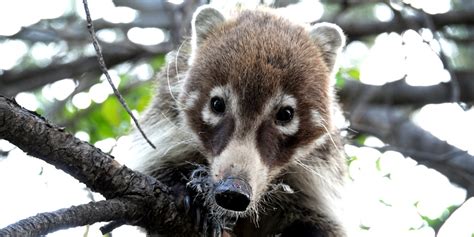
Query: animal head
{"points": [[257, 95]]}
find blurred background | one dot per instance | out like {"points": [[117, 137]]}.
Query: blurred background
{"points": [[405, 85]]}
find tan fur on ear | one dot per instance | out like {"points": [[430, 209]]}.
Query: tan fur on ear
{"points": [[205, 19], [330, 38]]}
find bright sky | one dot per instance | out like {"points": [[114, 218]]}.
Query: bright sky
{"points": [[386, 205]]}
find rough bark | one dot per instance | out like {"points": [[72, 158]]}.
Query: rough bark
{"points": [[87, 214], [150, 203]]}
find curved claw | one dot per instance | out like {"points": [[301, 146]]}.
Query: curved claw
{"points": [[199, 173], [199, 180], [204, 226], [187, 203], [217, 231], [230, 223], [197, 187], [197, 218], [201, 220]]}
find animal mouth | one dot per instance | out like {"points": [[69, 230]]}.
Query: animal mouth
{"points": [[233, 194]]}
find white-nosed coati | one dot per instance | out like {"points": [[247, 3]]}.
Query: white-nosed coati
{"points": [[243, 124]]}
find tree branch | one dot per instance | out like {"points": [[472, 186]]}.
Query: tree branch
{"points": [[12, 83], [36, 136], [393, 127], [86, 214], [357, 29], [400, 93], [98, 170]]}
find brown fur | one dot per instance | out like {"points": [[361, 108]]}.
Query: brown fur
{"points": [[257, 57]]}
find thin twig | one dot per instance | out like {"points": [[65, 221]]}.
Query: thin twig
{"points": [[104, 70]]}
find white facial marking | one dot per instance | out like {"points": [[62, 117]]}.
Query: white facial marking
{"points": [[288, 100], [208, 116], [321, 140], [193, 96], [220, 91], [317, 118], [291, 128], [230, 99]]}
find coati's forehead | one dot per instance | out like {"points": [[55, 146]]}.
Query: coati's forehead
{"points": [[258, 55]]}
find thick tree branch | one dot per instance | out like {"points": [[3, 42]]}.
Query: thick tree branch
{"points": [[357, 29], [395, 128], [400, 93], [98, 170], [86, 214], [33, 134]]}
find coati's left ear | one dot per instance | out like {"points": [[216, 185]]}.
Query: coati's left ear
{"points": [[205, 20], [330, 39]]}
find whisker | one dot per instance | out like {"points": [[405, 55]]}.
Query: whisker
{"points": [[176, 59], [177, 76], [330, 137], [181, 129], [313, 171], [172, 146]]}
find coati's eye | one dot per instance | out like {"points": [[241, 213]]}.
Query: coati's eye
{"points": [[218, 105], [284, 115]]}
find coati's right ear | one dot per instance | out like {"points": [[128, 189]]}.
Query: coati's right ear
{"points": [[330, 39], [205, 20]]}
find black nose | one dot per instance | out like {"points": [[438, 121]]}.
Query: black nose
{"points": [[233, 194]]}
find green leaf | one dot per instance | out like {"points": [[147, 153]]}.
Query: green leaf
{"points": [[385, 203], [158, 62], [124, 80], [360, 139], [110, 110], [140, 97], [354, 73], [378, 165], [438, 222], [346, 74], [363, 227], [351, 159], [340, 82]]}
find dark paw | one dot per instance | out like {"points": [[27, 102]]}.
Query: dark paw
{"points": [[202, 219], [199, 181], [197, 189], [196, 205]]}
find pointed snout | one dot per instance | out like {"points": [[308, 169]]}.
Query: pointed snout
{"points": [[233, 194]]}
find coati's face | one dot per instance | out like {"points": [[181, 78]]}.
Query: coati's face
{"points": [[257, 97]]}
